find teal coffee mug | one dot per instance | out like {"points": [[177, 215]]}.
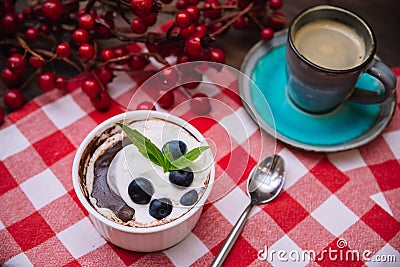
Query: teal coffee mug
{"points": [[328, 49]]}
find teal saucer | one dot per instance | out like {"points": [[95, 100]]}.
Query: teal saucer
{"points": [[350, 125]]}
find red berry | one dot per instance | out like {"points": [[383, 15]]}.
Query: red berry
{"points": [[7, 6], [21, 16], [61, 83], [275, 4], [36, 62], [104, 74], [14, 50], [186, 32], [63, 50], [194, 12], [193, 2], [71, 7], [183, 19], [242, 4], [230, 2], [16, 63], [13, 99], [80, 36], [138, 25], [277, 20], [133, 48], [168, 49], [82, 11], [9, 23], [166, 98], [150, 20], [102, 101], [211, 9], [86, 21], [182, 58], [44, 29], [47, 81], [57, 29], [168, 75], [267, 33], [107, 54], [191, 80], [193, 46], [217, 55], [142, 8], [216, 26], [25, 14], [137, 62], [52, 10], [145, 105], [91, 87], [120, 51], [9, 77], [200, 104], [201, 30], [86, 51], [191, 85], [31, 34], [241, 23], [181, 4], [103, 27], [1, 116], [153, 48]]}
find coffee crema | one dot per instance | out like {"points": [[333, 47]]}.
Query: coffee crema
{"points": [[330, 44]]}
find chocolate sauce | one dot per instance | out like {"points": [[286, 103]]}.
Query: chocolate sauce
{"points": [[106, 198]]}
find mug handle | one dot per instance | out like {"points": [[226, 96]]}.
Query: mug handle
{"points": [[385, 75]]}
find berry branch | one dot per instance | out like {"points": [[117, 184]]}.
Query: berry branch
{"points": [[231, 21], [92, 37]]}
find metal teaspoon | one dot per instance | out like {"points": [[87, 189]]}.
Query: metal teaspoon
{"points": [[264, 184]]}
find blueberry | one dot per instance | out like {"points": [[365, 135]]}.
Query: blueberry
{"points": [[140, 190], [182, 177], [189, 198], [160, 208], [177, 148]]}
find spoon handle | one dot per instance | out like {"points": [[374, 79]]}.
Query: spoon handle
{"points": [[231, 239]]}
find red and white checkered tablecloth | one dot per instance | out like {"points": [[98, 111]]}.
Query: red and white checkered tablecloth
{"points": [[336, 205]]}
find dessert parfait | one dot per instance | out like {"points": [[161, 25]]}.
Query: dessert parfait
{"points": [[143, 170]]}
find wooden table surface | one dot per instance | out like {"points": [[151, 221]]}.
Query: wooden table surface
{"points": [[383, 16]]}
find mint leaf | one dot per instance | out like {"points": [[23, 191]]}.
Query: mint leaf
{"points": [[168, 154], [144, 145], [155, 152], [187, 159], [168, 158], [155, 155]]}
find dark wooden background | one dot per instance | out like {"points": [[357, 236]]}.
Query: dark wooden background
{"points": [[382, 15]]}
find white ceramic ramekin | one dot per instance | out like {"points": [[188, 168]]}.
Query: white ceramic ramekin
{"points": [[132, 238]]}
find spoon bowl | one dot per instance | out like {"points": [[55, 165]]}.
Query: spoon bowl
{"points": [[263, 185], [266, 179]]}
